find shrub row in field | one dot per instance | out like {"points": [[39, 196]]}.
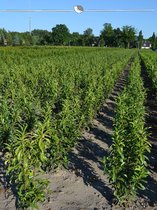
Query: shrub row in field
{"points": [[47, 96], [149, 60], [126, 164]]}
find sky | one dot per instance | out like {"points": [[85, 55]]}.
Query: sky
{"points": [[147, 22]]}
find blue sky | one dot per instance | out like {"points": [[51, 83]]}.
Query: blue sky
{"points": [[79, 22]]}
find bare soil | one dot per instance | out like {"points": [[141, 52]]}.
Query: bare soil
{"points": [[83, 185]]}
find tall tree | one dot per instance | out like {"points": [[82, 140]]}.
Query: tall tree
{"points": [[140, 39], [107, 34], [60, 35], [153, 40], [74, 39], [117, 38], [9, 38], [41, 37], [128, 34], [88, 37], [101, 42], [16, 39], [3, 36]]}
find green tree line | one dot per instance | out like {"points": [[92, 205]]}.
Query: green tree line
{"points": [[126, 37]]}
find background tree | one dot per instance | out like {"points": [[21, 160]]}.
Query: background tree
{"points": [[153, 40], [128, 34], [41, 37], [101, 42], [3, 37], [107, 34], [117, 38], [60, 35], [16, 40], [96, 41], [74, 39], [88, 37], [9, 38], [140, 39]]}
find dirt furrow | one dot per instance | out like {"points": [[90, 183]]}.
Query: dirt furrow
{"points": [[84, 186]]}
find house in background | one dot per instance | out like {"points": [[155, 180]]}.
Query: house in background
{"points": [[146, 45]]}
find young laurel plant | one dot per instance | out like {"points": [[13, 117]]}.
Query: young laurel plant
{"points": [[24, 158], [126, 164]]}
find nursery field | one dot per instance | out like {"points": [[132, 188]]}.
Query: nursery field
{"points": [[49, 97]]}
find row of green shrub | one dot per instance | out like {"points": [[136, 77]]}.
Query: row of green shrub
{"points": [[149, 60], [126, 163]]}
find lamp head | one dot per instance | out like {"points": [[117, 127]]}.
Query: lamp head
{"points": [[78, 9]]}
